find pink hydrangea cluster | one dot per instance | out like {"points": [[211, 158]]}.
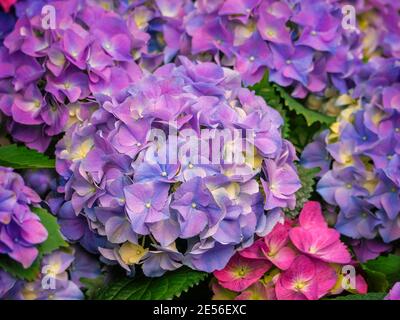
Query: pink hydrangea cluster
{"points": [[297, 260]]}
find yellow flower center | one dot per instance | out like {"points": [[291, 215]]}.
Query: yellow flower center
{"points": [[82, 150], [271, 33], [347, 159], [299, 285], [132, 253], [312, 250]]}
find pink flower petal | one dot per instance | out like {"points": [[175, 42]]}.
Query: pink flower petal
{"points": [[240, 273], [361, 285], [299, 282], [311, 215], [320, 243], [255, 251], [26, 256], [33, 231], [326, 277], [283, 293], [277, 239], [302, 269], [283, 258]]}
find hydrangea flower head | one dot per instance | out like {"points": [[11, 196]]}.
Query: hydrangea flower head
{"points": [[294, 269], [361, 175], [55, 76], [180, 197], [301, 43], [378, 22]]}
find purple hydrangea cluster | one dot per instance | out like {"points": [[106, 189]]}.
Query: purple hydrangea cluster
{"points": [[301, 43], [52, 77], [163, 21], [20, 229], [59, 279], [360, 156], [192, 211], [47, 184], [378, 20], [43, 181]]}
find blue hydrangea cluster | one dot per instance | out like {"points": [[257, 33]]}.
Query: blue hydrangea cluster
{"points": [[188, 212], [360, 156], [59, 279]]}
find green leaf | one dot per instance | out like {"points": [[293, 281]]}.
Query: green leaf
{"points": [[386, 265], [19, 157], [368, 296], [307, 178], [55, 239], [265, 89], [170, 285], [17, 270], [376, 280], [295, 128], [311, 116], [53, 242], [92, 286]]}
